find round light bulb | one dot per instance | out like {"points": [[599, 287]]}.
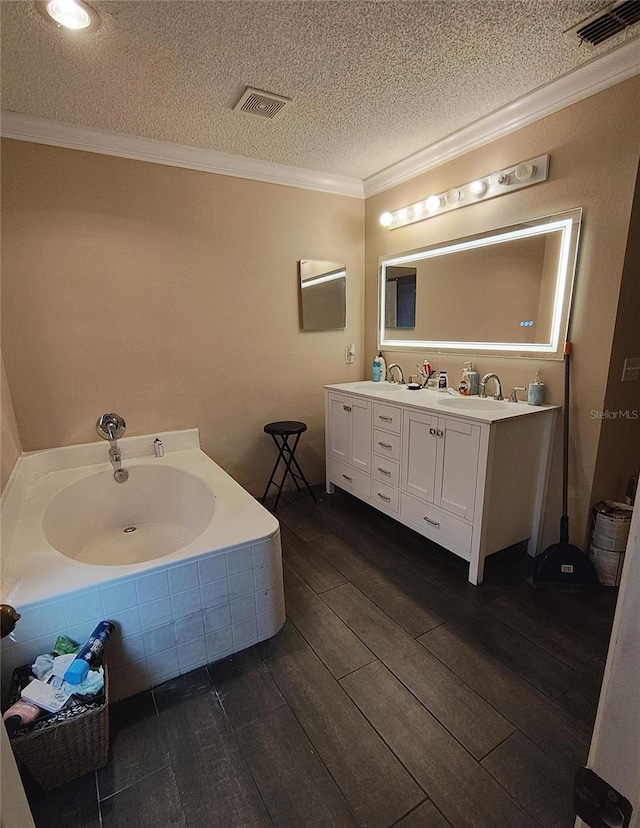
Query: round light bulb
{"points": [[403, 214], [478, 188], [418, 209], [434, 202], [386, 219], [69, 13], [453, 196], [524, 171]]}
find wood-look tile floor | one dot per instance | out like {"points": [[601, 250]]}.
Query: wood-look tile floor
{"points": [[397, 694]]}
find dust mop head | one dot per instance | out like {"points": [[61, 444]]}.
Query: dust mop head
{"points": [[564, 568]]}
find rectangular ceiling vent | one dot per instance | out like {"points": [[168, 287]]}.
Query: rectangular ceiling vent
{"points": [[258, 102], [610, 21]]}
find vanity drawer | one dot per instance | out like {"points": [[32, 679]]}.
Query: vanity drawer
{"points": [[383, 495], [351, 480], [387, 416], [437, 525], [386, 471], [386, 445]]}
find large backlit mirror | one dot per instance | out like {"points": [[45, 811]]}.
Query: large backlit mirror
{"points": [[323, 295], [505, 292]]}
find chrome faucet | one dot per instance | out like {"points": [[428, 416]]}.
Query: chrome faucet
{"points": [[400, 373], [497, 386], [111, 426], [115, 457]]}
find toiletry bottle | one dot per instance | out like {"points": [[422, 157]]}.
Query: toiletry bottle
{"points": [[536, 391], [443, 381], [463, 385], [376, 372], [383, 366], [89, 654], [20, 713], [473, 378]]}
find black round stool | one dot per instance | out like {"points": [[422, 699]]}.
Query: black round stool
{"points": [[280, 433]]}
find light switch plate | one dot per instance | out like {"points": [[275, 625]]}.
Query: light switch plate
{"points": [[631, 369]]}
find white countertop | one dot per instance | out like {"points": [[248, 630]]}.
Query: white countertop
{"points": [[469, 408]]}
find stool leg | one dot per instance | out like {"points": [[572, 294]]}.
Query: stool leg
{"points": [[304, 480], [287, 448], [287, 465], [273, 472]]}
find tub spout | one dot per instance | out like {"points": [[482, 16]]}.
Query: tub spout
{"points": [[120, 475], [115, 456], [158, 448]]}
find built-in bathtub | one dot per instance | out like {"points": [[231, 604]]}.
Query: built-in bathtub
{"points": [[183, 560]]}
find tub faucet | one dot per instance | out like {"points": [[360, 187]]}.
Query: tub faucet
{"points": [[400, 374], [115, 456], [120, 475], [497, 386], [158, 448], [110, 426]]}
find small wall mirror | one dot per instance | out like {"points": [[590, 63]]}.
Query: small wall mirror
{"points": [[505, 292], [323, 295]]}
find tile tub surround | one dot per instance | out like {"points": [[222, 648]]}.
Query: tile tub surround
{"points": [[221, 593]]}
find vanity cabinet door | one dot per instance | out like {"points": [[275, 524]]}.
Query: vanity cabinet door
{"points": [[339, 427], [360, 455], [457, 467], [349, 434], [419, 454]]}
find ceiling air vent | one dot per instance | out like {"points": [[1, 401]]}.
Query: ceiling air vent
{"points": [[610, 21], [257, 102]]}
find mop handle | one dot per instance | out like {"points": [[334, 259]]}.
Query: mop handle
{"points": [[564, 521]]}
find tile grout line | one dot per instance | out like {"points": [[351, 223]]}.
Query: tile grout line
{"points": [[315, 750]]}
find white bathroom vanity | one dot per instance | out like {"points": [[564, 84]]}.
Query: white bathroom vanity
{"points": [[469, 473]]}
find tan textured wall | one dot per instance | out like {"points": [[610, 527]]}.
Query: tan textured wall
{"points": [[10, 447], [594, 147], [619, 449], [171, 297]]}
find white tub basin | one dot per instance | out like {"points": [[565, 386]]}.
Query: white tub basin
{"points": [[157, 511]]}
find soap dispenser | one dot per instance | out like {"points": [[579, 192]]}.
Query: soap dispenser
{"points": [[536, 391]]}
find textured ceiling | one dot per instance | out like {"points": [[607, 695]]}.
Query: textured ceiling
{"points": [[372, 82]]}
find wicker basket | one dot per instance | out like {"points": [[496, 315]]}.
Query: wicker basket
{"points": [[64, 746]]}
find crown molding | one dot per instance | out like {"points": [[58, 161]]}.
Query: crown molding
{"points": [[87, 139], [594, 76]]}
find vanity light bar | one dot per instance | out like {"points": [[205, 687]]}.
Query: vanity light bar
{"points": [[495, 184]]}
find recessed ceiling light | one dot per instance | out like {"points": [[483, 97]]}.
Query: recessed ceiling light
{"points": [[72, 14]]}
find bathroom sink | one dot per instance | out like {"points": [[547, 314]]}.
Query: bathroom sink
{"points": [[382, 387], [473, 404]]}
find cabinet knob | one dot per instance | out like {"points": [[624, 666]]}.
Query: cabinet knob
{"points": [[432, 431], [347, 407], [440, 432]]}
